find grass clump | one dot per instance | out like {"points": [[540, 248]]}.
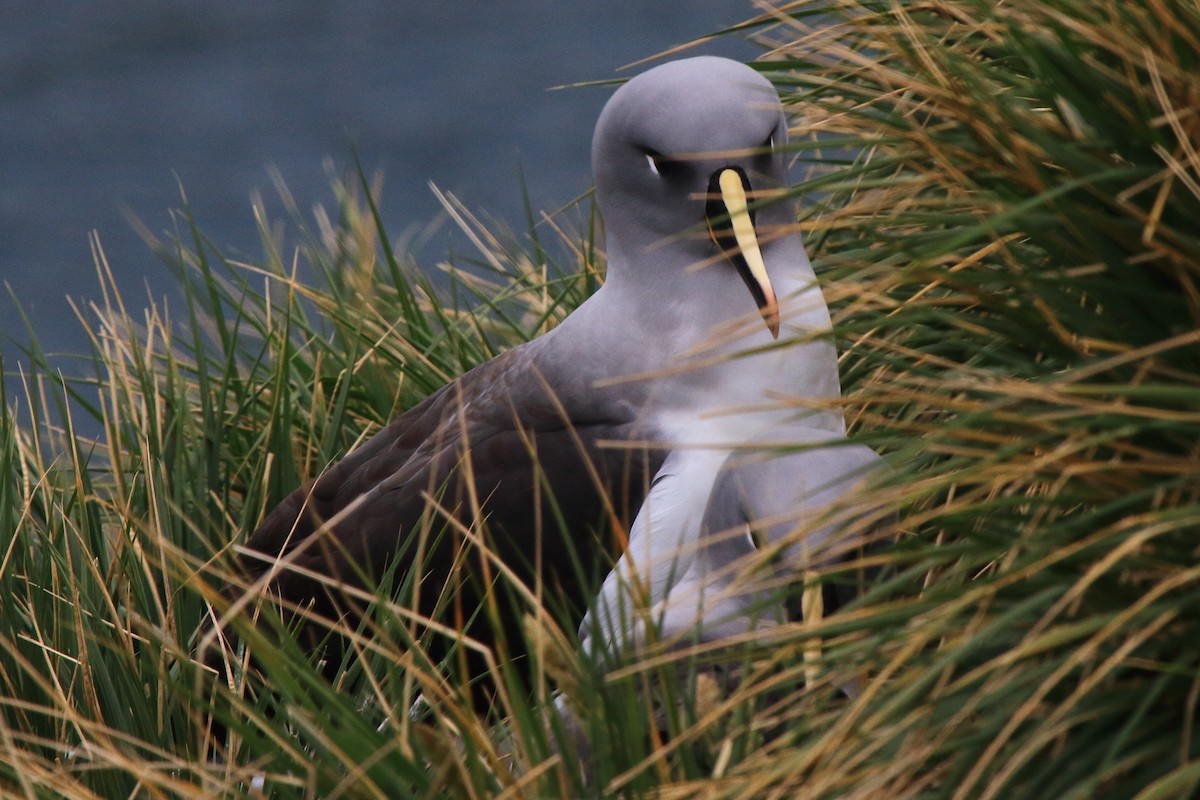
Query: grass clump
{"points": [[117, 541], [1003, 203], [1014, 244]]}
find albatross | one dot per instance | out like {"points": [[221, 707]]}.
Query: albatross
{"points": [[706, 330]]}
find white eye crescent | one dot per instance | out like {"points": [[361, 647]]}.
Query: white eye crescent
{"points": [[653, 166]]}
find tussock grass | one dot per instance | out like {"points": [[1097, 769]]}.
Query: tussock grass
{"points": [[1002, 200], [1013, 252]]}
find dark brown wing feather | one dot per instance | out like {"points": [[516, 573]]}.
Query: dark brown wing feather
{"points": [[528, 465]]}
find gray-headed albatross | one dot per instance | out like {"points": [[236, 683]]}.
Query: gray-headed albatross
{"points": [[705, 332]]}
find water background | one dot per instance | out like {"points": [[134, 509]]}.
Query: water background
{"points": [[109, 107]]}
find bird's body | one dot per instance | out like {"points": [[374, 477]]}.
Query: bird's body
{"points": [[670, 352]]}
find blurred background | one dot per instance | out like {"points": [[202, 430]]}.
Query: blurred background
{"points": [[108, 108]]}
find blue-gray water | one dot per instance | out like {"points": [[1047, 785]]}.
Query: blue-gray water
{"points": [[112, 105]]}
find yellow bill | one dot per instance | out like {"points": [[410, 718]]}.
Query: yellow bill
{"points": [[731, 226]]}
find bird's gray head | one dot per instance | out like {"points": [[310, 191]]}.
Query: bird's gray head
{"points": [[674, 150]]}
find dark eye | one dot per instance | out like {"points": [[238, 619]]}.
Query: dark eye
{"points": [[660, 165], [755, 537]]}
